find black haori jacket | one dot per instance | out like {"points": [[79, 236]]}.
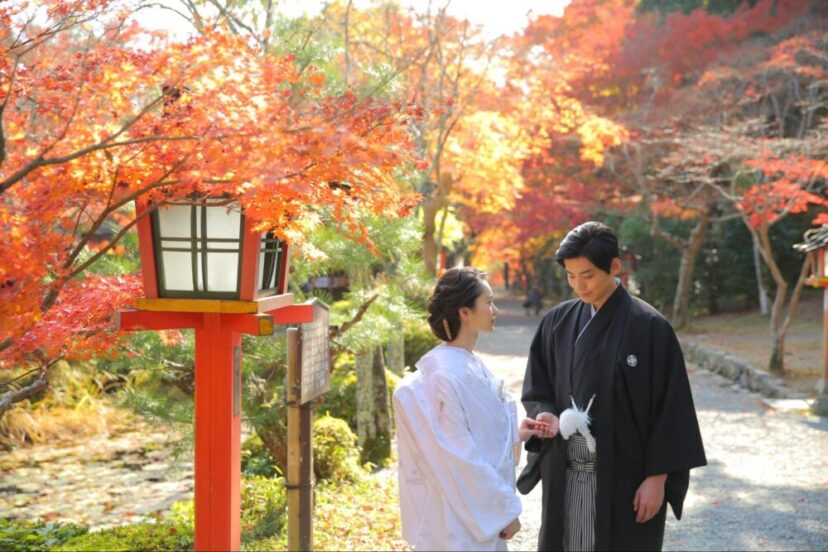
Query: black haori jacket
{"points": [[643, 417]]}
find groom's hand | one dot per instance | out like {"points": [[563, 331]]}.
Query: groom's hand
{"points": [[529, 427], [649, 498], [552, 420]]}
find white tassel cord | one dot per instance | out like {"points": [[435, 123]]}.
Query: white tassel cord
{"points": [[574, 419]]}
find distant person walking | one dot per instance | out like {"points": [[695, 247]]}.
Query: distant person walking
{"points": [[533, 301]]}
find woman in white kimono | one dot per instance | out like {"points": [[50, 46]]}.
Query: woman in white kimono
{"points": [[456, 430]]}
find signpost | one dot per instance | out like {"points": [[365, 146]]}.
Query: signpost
{"points": [[308, 376]]}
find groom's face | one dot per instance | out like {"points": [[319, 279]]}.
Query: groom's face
{"points": [[592, 284]]}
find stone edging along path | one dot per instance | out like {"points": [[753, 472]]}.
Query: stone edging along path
{"points": [[740, 371]]}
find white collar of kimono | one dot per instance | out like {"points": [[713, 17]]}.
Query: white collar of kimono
{"points": [[430, 362]]}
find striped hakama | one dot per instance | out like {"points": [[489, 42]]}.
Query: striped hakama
{"points": [[579, 497]]}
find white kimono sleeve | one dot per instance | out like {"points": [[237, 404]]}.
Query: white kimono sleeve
{"points": [[446, 452]]}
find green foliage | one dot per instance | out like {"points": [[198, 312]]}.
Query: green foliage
{"points": [[391, 381], [162, 536], [725, 271], [656, 261], [335, 451], [340, 400], [392, 272], [160, 371], [168, 355], [722, 7], [164, 405], [263, 508], [418, 340], [376, 450], [30, 536], [359, 515], [256, 460], [125, 259], [725, 275]]}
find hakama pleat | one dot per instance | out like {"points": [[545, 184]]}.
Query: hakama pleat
{"points": [[579, 497]]}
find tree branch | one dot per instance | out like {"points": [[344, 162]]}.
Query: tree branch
{"points": [[675, 241], [8, 399], [336, 331]]}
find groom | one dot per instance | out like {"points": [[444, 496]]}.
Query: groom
{"points": [[616, 350]]}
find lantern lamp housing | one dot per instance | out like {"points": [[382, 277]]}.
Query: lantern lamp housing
{"points": [[816, 246], [205, 248]]}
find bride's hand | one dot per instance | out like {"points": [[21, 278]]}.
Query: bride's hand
{"points": [[529, 427], [511, 530]]}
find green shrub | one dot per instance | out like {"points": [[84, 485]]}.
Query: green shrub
{"points": [[335, 451], [418, 340], [25, 536], [340, 400], [263, 508], [256, 460], [392, 380], [140, 536]]}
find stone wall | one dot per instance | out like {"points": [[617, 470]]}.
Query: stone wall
{"points": [[740, 371]]}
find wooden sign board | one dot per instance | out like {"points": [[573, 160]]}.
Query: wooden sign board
{"points": [[316, 374]]}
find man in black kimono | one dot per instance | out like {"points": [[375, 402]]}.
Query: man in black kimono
{"points": [[618, 349]]}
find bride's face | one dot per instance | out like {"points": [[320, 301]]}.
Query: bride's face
{"points": [[482, 317]]}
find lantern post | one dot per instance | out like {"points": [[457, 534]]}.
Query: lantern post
{"points": [[205, 268], [815, 245]]}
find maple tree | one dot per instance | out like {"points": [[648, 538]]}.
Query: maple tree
{"points": [[472, 144], [784, 170], [640, 70], [91, 121]]}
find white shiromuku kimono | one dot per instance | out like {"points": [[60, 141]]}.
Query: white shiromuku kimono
{"points": [[456, 430]]}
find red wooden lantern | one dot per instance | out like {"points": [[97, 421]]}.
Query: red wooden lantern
{"points": [[205, 268], [816, 247], [205, 248]]}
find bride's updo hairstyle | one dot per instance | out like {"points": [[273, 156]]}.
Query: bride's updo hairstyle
{"points": [[455, 289]]}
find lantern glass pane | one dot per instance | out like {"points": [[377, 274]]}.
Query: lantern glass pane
{"points": [[223, 222], [270, 262], [222, 272], [178, 272], [174, 221]]}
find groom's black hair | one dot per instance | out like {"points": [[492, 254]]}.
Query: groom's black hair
{"points": [[593, 240]]}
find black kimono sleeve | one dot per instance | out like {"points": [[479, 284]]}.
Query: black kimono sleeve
{"points": [[675, 444], [539, 381]]}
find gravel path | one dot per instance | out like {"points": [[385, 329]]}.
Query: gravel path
{"points": [[766, 483]]}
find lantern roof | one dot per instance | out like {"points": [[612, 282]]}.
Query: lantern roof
{"points": [[815, 238]]}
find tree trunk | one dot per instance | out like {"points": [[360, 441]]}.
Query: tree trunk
{"points": [[373, 419], [274, 438], [761, 238], [395, 351], [430, 208], [777, 360], [8, 399], [777, 357], [763, 293], [689, 254]]}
